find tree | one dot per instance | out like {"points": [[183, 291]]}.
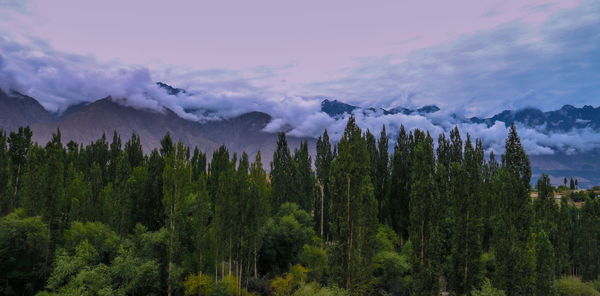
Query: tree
{"points": [[282, 173], [176, 181], [545, 266], [425, 217], [323, 167], [23, 253], [467, 234], [399, 195], [198, 164], [305, 179], [514, 247], [259, 197], [354, 212], [285, 236], [19, 144], [133, 148], [5, 194]]}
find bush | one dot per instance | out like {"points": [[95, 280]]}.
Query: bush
{"points": [[487, 289], [572, 286]]}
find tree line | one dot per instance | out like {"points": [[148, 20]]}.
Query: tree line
{"points": [[107, 219]]}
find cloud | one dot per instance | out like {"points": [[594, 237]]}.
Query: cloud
{"points": [[515, 65]]}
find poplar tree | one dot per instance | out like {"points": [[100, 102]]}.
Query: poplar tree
{"points": [[19, 144], [514, 247], [282, 174], [425, 217], [323, 167], [133, 148], [354, 212], [176, 181], [399, 195], [304, 178], [382, 177], [468, 226], [198, 164], [5, 195]]}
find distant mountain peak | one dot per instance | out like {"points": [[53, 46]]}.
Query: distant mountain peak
{"points": [[565, 119], [170, 89], [335, 108]]}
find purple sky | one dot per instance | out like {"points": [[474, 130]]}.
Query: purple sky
{"points": [[471, 58], [307, 40]]}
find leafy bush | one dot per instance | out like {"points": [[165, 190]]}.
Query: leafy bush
{"points": [[572, 286]]}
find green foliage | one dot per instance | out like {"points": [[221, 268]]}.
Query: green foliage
{"points": [[23, 253], [572, 286], [284, 238], [104, 219], [487, 289]]}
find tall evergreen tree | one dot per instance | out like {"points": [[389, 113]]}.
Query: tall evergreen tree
{"points": [[198, 164], [514, 247], [467, 234], [399, 195], [176, 181], [354, 212], [19, 145], [425, 217], [133, 148], [282, 173], [304, 178], [323, 167], [5, 194], [382, 176]]}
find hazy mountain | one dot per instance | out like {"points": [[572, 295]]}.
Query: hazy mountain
{"points": [[86, 122], [565, 119], [18, 110], [336, 109]]}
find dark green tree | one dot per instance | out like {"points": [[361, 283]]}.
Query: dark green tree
{"points": [[323, 167], [282, 174], [354, 213]]}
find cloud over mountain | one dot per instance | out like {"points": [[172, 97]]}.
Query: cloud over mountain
{"points": [[515, 65]]}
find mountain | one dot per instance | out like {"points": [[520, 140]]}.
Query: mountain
{"points": [[86, 122], [337, 109], [565, 119], [244, 133], [18, 110]]}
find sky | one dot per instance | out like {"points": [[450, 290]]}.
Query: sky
{"points": [[472, 58]]}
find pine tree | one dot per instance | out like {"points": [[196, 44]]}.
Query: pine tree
{"points": [[354, 212]]}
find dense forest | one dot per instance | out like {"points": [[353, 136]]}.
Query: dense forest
{"points": [[428, 219]]}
